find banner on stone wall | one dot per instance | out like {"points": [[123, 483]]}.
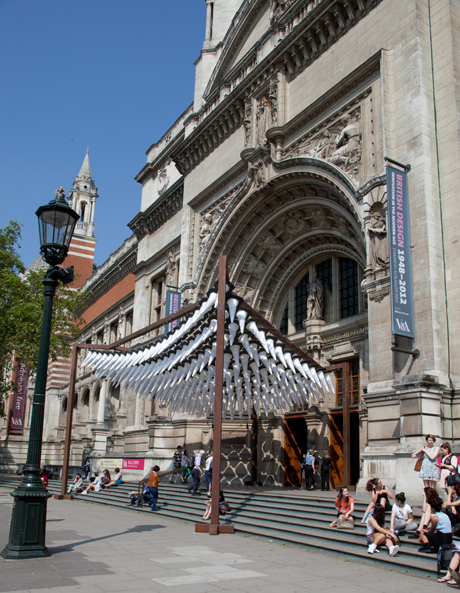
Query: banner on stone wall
{"points": [[172, 305], [402, 310], [19, 397]]}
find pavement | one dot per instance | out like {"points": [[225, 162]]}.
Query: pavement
{"points": [[96, 548]]}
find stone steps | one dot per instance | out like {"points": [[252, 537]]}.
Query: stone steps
{"points": [[282, 516]]}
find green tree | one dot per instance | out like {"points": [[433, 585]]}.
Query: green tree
{"points": [[21, 311]]}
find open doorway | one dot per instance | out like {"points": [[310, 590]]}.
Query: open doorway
{"points": [[295, 445], [336, 430]]}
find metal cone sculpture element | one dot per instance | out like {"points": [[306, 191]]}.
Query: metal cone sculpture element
{"points": [[179, 370]]}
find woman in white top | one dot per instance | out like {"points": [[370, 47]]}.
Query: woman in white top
{"points": [[208, 473], [402, 518], [377, 534], [96, 485]]}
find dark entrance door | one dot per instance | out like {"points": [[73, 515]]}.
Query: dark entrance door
{"points": [[295, 443], [336, 427]]}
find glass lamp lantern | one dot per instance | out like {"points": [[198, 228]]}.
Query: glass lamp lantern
{"points": [[56, 224]]}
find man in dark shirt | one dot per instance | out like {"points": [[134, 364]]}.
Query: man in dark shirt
{"points": [[177, 461], [326, 465]]}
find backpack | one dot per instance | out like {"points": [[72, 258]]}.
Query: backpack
{"points": [[191, 462], [445, 555]]}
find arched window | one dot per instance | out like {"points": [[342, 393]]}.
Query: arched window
{"points": [[340, 278], [82, 211]]}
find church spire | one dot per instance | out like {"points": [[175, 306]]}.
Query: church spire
{"points": [[85, 170]]}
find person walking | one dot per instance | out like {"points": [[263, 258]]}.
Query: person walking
{"points": [[197, 472], [429, 471], [208, 473], [326, 466], [309, 470], [177, 461], [152, 487], [185, 467]]}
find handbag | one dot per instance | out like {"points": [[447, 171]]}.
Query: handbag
{"points": [[343, 523], [418, 463], [453, 479]]}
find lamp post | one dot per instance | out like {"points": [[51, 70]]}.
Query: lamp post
{"points": [[56, 222]]}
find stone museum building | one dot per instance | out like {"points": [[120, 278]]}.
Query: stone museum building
{"points": [[279, 163]]}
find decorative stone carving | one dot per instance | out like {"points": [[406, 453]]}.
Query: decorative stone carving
{"points": [[248, 121], [245, 292], [378, 237], [163, 180], [273, 96], [319, 218], [263, 117], [106, 330], [348, 143], [315, 300], [277, 7], [121, 323], [257, 173], [158, 213], [171, 267], [206, 229], [342, 224], [254, 266], [339, 143], [294, 224], [269, 242]]}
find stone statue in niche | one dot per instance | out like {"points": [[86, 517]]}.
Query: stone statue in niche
{"points": [[348, 146], [121, 323], [378, 239], [171, 269], [315, 300], [163, 180], [263, 121], [206, 229], [247, 121]]}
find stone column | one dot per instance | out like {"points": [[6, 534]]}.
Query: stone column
{"points": [[102, 404], [208, 20], [138, 419]]}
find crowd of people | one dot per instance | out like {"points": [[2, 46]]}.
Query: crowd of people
{"points": [[310, 466], [388, 516]]}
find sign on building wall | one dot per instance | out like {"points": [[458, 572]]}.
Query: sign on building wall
{"points": [[133, 464], [402, 310], [172, 306], [110, 463], [19, 397]]}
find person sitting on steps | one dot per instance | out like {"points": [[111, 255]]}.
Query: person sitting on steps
{"points": [[344, 505], [402, 518], [377, 534], [380, 494], [440, 531]]}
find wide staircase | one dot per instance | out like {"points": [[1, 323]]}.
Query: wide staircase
{"points": [[281, 515]]}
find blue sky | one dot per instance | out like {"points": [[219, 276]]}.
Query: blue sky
{"points": [[110, 74]]}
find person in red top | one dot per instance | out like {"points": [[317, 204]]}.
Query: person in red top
{"points": [[344, 504], [44, 477]]}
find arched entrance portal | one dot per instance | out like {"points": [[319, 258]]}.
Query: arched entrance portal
{"points": [[300, 231]]}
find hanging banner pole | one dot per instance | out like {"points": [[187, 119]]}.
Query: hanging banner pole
{"points": [[402, 310]]}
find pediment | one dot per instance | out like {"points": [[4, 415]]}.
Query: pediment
{"points": [[248, 26]]}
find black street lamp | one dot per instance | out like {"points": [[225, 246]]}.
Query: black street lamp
{"points": [[56, 222]]}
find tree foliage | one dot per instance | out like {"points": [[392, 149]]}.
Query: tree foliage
{"points": [[21, 311]]}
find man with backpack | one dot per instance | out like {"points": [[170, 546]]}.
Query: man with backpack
{"points": [[197, 472]]}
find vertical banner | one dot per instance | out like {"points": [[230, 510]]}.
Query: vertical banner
{"points": [[402, 310], [172, 306], [19, 396]]}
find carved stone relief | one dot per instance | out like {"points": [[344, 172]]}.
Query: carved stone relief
{"points": [[163, 179], [294, 224], [269, 242], [245, 292], [121, 323], [171, 267], [339, 143], [277, 7], [248, 121], [319, 218], [254, 266], [263, 120]]}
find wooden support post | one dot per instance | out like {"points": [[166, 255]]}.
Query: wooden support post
{"points": [[346, 422], [214, 528]]}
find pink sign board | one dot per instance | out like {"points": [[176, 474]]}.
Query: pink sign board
{"points": [[19, 398], [133, 464]]}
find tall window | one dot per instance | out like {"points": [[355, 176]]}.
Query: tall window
{"points": [[349, 299], [82, 211], [353, 372], [301, 296], [284, 322], [129, 323], [324, 271], [113, 332], [157, 300]]}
